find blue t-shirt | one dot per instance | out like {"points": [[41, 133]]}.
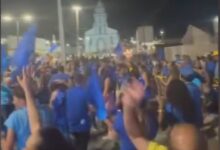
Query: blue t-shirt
{"points": [[186, 70], [6, 95], [18, 122], [125, 142], [77, 109], [210, 67], [59, 112], [196, 97]]}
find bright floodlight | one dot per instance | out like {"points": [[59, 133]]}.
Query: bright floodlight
{"points": [[216, 19], [77, 8], [162, 32], [68, 45], [27, 18], [7, 18]]}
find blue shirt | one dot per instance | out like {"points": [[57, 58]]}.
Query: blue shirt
{"points": [[196, 97], [18, 122], [186, 70], [210, 67], [125, 142], [6, 95], [77, 109], [59, 112]]}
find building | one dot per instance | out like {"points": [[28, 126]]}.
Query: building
{"points": [[41, 46], [100, 38], [145, 34], [195, 42]]}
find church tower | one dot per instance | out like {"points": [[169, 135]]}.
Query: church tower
{"points": [[100, 38]]}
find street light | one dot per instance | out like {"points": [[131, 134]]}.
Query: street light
{"points": [[7, 18], [25, 18], [162, 33], [77, 9]]}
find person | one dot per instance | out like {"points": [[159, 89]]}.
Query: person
{"points": [[196, 95], [60, 75], [6, 102], [18, 127], [149, 122], [146, 81], [165, 69], [179, 107], [77, 104], [215, 56], [210, 68], [38, 139], [181, 137], [58, 106], [108, 88]]}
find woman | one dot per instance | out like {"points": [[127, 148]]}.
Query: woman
{"points": [[108, 88], [179, 107], [146, 81]]}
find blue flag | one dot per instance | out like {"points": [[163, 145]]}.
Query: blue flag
{"points": [[4, 60], [25, 49], [96, 97], [119, 50], [53, 47]]}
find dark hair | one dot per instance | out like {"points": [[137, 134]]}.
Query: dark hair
{"points": [[52, 139], [18, 92], [179, 96]]}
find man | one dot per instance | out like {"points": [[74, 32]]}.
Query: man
{"points": [[215, 56], [77, 113], [210, 68], [18, 128], [181, 137], [60, 76]]}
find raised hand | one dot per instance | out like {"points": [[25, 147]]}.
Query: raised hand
{"points": [[133, 93]]}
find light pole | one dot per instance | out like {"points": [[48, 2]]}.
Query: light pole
{"points": [[61, 29], [77, 9], [26, 18], [162, 33]]}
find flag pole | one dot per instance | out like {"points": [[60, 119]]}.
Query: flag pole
{"points": [[61, 30]]}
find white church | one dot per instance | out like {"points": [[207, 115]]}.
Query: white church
{"points": [[100, 38]]}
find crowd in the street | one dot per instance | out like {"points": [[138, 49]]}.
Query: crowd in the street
{"points": [[54, 106]]}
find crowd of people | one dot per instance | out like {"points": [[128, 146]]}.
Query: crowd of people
{"points": [[52, 106]]}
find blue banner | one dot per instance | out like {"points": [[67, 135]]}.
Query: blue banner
{"points": [[96, 97], [4, 60], [25, 49]]}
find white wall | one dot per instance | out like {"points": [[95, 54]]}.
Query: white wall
{"points": [[200, 43]]}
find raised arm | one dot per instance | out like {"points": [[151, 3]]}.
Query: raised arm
{"points": [[33, 114], [132, 95]]}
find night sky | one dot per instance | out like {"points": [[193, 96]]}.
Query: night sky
{"points": [[125, 15]]}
